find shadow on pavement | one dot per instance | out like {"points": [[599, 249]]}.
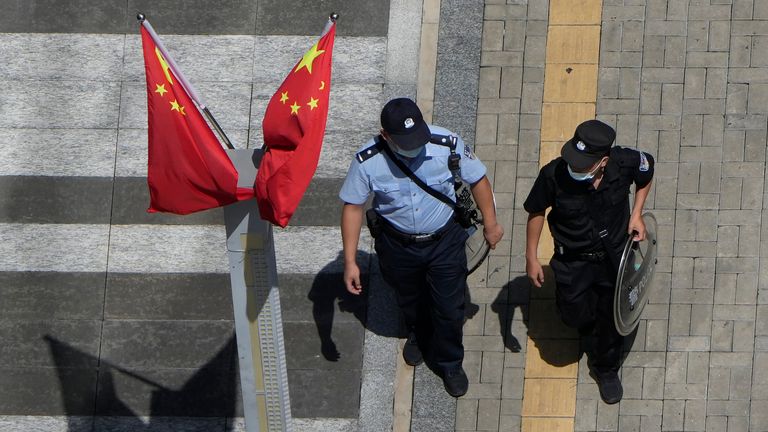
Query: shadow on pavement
{"points": [[209, 392], [557, 344]]}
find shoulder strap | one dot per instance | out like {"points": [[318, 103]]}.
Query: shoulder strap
{"points": [[371, 151], [413, 176]]}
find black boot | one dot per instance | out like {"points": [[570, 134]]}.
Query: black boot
{"points": [[455, 382], [411, 352], [609, 383]]}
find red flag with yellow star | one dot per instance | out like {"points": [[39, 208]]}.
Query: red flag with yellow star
{"points": [[294, 126], [188, 169]]}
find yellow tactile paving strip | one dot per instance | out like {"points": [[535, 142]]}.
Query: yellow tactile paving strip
{"points": [[570, 93]]}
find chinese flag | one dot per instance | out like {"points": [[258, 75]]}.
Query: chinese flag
{"points": [[294, 125], [188, 169]]}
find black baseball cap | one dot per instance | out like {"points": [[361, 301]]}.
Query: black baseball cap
{"points": [[590, 143], [401, 118]]}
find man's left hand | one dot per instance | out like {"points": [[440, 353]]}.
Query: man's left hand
{"points": [[493, 234], [637, 224]]}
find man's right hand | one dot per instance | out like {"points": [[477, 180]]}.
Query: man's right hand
{"points": [[535, 272], [352, 278]]}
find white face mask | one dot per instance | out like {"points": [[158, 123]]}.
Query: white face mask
{"points": [[587, 176]]}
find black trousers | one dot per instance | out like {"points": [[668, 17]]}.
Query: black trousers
{"points": [[430, 280], [584, 294]]}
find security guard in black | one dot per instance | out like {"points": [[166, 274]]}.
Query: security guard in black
{"points": [[588, 190]]}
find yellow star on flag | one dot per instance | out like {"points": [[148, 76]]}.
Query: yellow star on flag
{"points": [[161, 89], [308, 58], [295, 108], [164, 65], [181, 110], [175, 106], [312, 103], [283, 97]]}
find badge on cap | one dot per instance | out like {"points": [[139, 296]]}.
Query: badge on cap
{"points": [[581, 146], [409, 123]]}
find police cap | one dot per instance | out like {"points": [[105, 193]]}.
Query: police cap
{"points": [[593, 140], [401, 118]]}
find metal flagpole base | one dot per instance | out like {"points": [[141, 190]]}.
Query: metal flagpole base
{"points": [[256, 301]]}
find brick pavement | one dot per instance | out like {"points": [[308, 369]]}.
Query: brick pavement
{"points": [[686, 81]]}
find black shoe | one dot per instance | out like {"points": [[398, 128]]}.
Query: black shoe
{"points": [[411, 352], [456, 382], [610, 387]]}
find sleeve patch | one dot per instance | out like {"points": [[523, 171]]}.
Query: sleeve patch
{"points": [[644, 165], [468, 151]]}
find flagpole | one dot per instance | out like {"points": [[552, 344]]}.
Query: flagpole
{"points": [[186, 84], [331, 21]]}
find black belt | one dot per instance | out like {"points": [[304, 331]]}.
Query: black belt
{"points": [[594, 256], [415, 238]]}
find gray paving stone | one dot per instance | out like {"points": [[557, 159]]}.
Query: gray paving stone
{"points": [[301, 17], [722, 335], [728, 408], [653, 51], [209, 392], [698, 35], [674, 52], [695, 415], [716, 423], [375, 410], [38, 391], [41, 16], [753, 151], [673, 415], [323, 401], [515, 33], [629, 423], [607, 417], [47, 295], [432, 405], [740, 51], [488, 414], [741, 382], [136, 296], [586, 415], [466, 414]]}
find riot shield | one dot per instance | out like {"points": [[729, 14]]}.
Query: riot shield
{"points": [[635, 278], [476, 247]]}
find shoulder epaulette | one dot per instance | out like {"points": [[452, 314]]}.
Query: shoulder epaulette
{"points": [[443, 140], [367, 153]]}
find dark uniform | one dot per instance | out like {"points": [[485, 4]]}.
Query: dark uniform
{"points": [[587, 225]]}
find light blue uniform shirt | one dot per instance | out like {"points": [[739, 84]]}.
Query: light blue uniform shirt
{"points": [[401, 201]]}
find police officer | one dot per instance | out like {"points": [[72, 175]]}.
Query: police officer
{"points": [[420, 245], [588, 190]]}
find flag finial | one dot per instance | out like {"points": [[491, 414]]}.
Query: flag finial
{"points": [[140, 16], [334, 16]]}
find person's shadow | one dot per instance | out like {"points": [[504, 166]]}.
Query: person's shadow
{"points": [[540, 318], [327, 289], [329, 292], [512, 296], [557, 344]]}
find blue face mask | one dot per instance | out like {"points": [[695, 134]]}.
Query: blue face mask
{"points": [[407, 153], [587, 176]]}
